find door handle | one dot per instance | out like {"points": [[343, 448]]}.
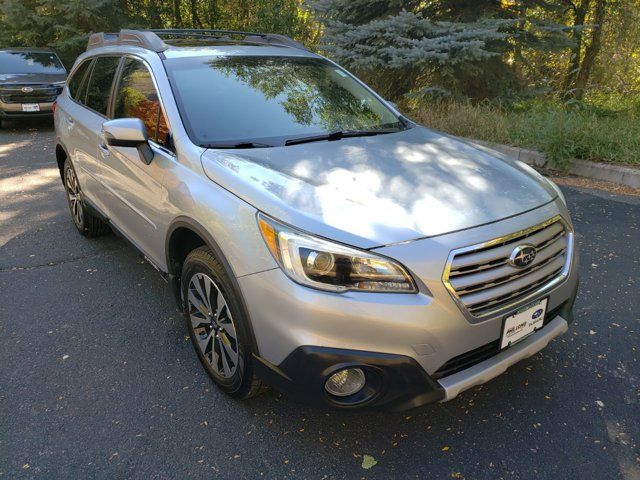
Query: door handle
{"points": [[70, 121], [104, 150]]}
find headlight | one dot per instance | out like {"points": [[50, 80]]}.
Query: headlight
{"points": [[326, 265]]}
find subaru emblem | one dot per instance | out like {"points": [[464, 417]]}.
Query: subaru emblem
{"points": [[27, 89], [523, 256]]}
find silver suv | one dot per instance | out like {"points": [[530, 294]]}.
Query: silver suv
{"points": [[316, 239]]}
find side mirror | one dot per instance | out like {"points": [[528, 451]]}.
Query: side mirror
{"points": [[128, 132]]}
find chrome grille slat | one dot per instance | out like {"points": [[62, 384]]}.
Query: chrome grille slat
{"points": [[492, 284], [515, 294], [507, 272], [488, 254], [471, 299]]}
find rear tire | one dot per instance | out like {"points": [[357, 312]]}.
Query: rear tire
{"points": [[219, 331], [86, 222]]}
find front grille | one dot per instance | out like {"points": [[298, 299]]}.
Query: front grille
{"points": [[481, 278], [485, 352], [40, 93]]}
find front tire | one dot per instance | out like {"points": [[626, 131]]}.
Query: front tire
{"points": [[219, 331], [87, 223]]}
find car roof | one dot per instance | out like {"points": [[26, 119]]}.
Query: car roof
{"points": [[174, 43], [235, 49]]}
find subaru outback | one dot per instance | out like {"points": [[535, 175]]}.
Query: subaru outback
{"points": [[316, 239]]}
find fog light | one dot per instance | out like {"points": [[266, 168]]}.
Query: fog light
{"points": [[345, 382]]}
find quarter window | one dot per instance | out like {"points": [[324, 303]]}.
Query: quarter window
{"points": [[137, 97], [100, 83], [75, 82]]}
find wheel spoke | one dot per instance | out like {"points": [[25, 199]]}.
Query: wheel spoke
{"points": [[225, 364], [204, 343], [228, 348], [198, 284], [198, 321], [220, 305], [197, 303], [230, 332], [215, 357], [79, 211]]}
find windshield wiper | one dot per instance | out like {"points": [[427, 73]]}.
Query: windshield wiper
{"points": [[339, 134], [237, 145]]}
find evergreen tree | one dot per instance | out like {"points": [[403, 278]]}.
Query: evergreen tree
{"points": [[459, 47]]}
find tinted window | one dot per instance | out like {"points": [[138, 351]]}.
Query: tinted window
{"points": [[100, 83], [75, 82], [30, 62], [230, 99], [137, 97]]}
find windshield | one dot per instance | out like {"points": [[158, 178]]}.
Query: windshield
{"points": [[269, 100], [30, 62]]}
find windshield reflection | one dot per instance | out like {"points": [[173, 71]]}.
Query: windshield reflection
{"points": [[272, 98], [29, 62]]}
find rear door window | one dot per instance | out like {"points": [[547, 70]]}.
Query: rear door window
{"points": [[99, 87], [137, 97], [76, 81]]}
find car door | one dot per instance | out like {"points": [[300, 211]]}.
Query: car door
{"points": [[142, 199], [71, 130], [83, 120]]}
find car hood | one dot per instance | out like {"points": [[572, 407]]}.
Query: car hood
{"points": [[373, 191], [18, 78]]}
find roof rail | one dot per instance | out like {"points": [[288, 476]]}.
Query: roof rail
{"points": [[153, 39]]}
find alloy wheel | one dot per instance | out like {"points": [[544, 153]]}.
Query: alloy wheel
{"points": [[213, 325], [73, 194]]}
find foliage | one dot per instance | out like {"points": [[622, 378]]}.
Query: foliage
{"points": [[66, 24], [562, 76], [592, 132], [472, 49]]}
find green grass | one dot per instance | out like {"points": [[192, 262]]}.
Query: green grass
{"points": [[595, 131]]}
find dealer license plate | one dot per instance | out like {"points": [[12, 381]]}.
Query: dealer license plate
{"points": [[523, 323], [30, 107]]}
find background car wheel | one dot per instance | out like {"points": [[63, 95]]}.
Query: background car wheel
{"points": [[219, 332], [87, 224]]}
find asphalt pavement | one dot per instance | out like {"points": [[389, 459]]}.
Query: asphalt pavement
{"points": [[98, 379]]}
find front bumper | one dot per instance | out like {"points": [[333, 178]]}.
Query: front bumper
{"points": [[424, 331], [397, 382], [14, 110]]}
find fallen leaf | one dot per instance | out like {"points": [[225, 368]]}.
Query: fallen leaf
{"points": [[64, 357], [600, 403], [368, 461], [445, 449]]}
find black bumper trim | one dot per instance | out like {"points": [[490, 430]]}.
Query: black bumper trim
{"points": [[399, 382]]}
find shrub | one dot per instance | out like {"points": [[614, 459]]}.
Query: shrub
{"points": [[562, 133]]}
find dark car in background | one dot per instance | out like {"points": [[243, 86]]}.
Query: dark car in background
{"points": [[30, 81]]}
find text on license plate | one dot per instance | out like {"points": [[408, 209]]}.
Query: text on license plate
{"points": [[523, 323], [30, 107]]}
